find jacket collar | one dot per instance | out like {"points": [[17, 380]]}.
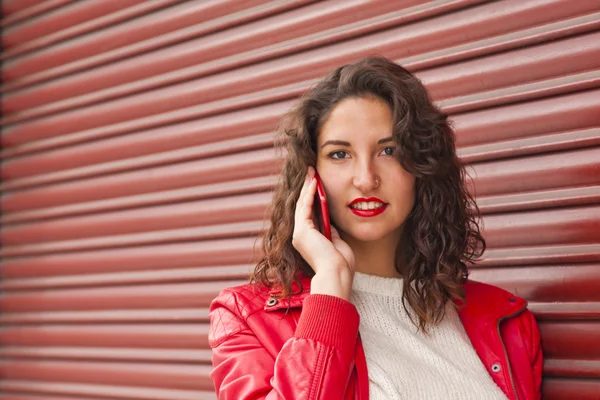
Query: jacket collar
{"points": [[300, 289], [483, 302]]}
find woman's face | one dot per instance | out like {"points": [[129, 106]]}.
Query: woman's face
{"points": [[368, 191]]}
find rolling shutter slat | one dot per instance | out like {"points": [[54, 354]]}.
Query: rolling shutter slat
{"points": [[137, 165]]}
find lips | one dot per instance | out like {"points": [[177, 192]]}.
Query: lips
{"points": [[368, 213], [366, 200]]}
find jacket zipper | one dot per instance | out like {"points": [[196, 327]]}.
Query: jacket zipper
{"points": [[512, 381]]}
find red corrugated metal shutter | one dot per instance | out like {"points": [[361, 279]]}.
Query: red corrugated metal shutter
{"points": [[137, 163]]}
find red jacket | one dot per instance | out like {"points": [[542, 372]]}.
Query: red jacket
{"points": [[309, 347]]}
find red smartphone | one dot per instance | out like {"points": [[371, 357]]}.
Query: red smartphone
{"points": [[321, 209]]}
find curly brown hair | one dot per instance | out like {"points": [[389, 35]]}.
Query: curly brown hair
{"points": [[441, 232]]}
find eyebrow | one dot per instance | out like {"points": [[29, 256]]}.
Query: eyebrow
{"points": [[347, 144]]}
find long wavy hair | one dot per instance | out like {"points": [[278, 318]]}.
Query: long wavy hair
{"points": [[441, 233]]}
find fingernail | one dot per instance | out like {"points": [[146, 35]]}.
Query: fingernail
{"points": [[311, 179]]}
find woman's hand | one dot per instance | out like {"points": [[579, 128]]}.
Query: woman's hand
{"points": [[333, 262]]}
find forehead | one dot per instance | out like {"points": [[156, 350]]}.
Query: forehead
{"points": [[356, 118]]}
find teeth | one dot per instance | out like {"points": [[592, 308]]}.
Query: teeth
{"points": [[363, 205]]}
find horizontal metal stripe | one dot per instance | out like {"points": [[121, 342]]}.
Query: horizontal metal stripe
{"points": [[564, 169], [525, 92], [49, 261], [113, 391], [155, 316], [558, 339], [130, 33], [9, 395], [577, 225], [14, 11], [210, 232], [165, 276], [552, 367], [522, 146], [71, 15], [434, 33], [544, 284], [572, 368], [73, 31], [521, 166], [237, 124], [499, 43], [155, 31], [528, 36], [567, 388], [209, 212], [557, 342], [545, 254], [568, 285], [108, 354], [180, 255], [242, 217], [66, 139], [310, 26], [568, 112], [62, 233], [535, 235], [502, 42], [576, 116], [120, 297], [554, 389], [539, 199], [191, 193], [571, 139], [586, 310], [466, 73], [187, 114], [157, 336], [494, 181], [231, 210], [192, 173], [449, 83], [186, 153]]}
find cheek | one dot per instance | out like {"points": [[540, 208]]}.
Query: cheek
{"points": [[333, 191], [404, 187], [336, 200]]}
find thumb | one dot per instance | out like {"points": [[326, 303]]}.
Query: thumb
{"points": [[335, 236], [334, 233]]}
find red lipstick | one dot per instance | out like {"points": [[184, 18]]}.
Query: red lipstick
{"points": [[368, 213]]}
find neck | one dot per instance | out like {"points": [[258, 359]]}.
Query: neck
{"points": [[375, 257]]}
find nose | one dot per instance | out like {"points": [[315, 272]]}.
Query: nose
{"points": [[365, 178]]}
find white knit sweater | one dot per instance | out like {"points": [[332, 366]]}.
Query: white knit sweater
{"points": [[406, 364]]}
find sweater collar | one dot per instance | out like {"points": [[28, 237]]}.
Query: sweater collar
{"points": [[482, 302]]}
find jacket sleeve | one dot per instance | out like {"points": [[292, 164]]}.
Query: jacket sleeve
{"points": [[536, 356], [316, 363]]}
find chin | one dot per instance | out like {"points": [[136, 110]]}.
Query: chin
{"points": [[367, 233]]}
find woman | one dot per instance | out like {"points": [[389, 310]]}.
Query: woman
{"points": [[385, 310]]}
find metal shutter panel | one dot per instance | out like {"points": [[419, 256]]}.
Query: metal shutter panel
{"points": [[137, 162]]}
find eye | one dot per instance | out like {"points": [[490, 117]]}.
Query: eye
{"points": [[388, 151], [338, 155]]}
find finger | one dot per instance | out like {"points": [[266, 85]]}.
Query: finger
{"points": [[305, 209], [310, 173], [334, 232], [311, 190], [304, 212], [335, 235], [304, 186]]}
